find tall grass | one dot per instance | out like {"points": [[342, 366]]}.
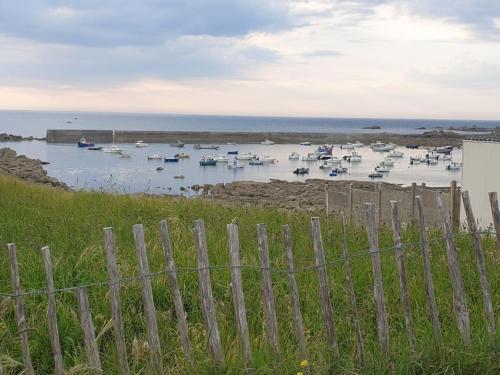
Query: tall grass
{"points": [[71, 224]]}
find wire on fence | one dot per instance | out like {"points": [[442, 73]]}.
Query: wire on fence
{"points": [[135, 278]]}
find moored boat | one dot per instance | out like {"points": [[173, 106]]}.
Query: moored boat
{"points": [[310, 157], [267, 142], [141, 144], [85, 143], [113, 150], [307, 143], [301, 171], [222, 159], [396, 154], [235, 165], [155, 157], [453, 167], [207, 161], [375, 175], [267, 160], [234, 152], [178, 144], [94, 148], [256, 162], [171, 160], [205, 147], [183, 155], [246, 156], [294, 156]]}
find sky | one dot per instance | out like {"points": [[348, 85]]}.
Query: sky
{"points": [[325, 58]]}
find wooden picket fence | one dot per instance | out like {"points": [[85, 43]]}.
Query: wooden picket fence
{"points": [[208, 304]]}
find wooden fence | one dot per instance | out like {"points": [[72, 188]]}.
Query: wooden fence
{"points": [[215, 348]]}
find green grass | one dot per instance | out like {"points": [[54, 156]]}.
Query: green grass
{"points": [[71, 224]]}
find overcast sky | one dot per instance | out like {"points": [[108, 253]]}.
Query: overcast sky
{"points": [[358, 58]]}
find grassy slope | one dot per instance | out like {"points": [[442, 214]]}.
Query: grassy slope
{"points": [[71, 224]]}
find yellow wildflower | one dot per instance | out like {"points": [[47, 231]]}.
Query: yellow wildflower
{"points": [[304, 363], [300, 373]]}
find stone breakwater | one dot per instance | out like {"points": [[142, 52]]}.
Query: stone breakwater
{"points": [[26, 169], [309, 195]]}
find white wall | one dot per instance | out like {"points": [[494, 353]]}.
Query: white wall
{"points": [[480, 175]]}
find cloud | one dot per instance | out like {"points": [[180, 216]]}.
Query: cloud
{"points": [[321, 53], [115, 23]]}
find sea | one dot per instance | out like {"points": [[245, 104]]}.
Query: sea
{"points": [[94, 170]]}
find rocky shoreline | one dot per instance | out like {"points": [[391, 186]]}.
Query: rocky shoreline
{"points": [[27, 169], [5, 137]]}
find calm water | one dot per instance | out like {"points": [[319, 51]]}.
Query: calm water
{"points": [[85, 169], [36, 123]]}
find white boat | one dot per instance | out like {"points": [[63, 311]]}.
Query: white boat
{"points": [[183, 155], [396, 154], [267, 142], [307, 143], [384, 148], [178, 144], [197, 146], [358, 144], [155, 157], [222, 159], [112, 150], [334, 161], [376, 144], [382, 169], [444, 157], [348, 146], [388, 162], [246, 156], [325, 165], [353, 158], [235, 165], [432, 161], [294, 156], [141, 144], [453, 167], [310, 157], [267, 160]]}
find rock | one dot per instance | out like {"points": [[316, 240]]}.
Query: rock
{"points": [[5, 137], [26, 169]]}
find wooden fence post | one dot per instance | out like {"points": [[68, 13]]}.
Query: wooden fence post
{"points": [[88, 331], [19, 309], [267, 291], [114, 295], [350, 202], [481, 265], [378, 287], [454, 206], [379, 202], [495, 212], [459, 297], [52, 313], [294, 293], [327, 201], [238, 295], [147, 300], [207, 299], [429, 284], [413, 203], [352, 294], [182, 325], [324, 290], [403, 281]]}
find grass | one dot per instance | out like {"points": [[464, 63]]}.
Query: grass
{"points": [[71, 224]]}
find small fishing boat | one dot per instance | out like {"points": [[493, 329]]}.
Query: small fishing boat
{"points": [[171, 160], [307, 143], [94, 148], [301, 171], [205, 147], [207, 161], [234, 152], [444, 150], [340, 170], [256, 162], [267, 142], [85, 143], [382, 169], [155, 157], [432, 155], [384, 147], [325, 149], [160, 168], [453, 167], [324, 165], [412, 146], [414, 161], [432, 161], [294, 156], [332, 173], [246, 156], [235, 165], [310, 157], [347, 146], [444, 157], [267, 160], [358, 144], [324, 157], [125, 156], [396, 154], [141, 144], [113, 150], [334, 161], [353, 158], [178, 144], [183, 155], [222, 159], [388, 162], [375, 175]]}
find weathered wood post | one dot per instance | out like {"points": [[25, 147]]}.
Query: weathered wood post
{"points": [[379, 203], [459, 296], [114, 295], [88, 331], [19, 309], [429, 284], [413, 203], [495, 212], [52, 313], [148, 301], [294, 293], [176, 293], [327, 201], [481, 265], [267, 291], [352, 294], [401, 270], [207, 299], [350, 208], [378, 287], [238, 295], [454, 206], [324, 290]]}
